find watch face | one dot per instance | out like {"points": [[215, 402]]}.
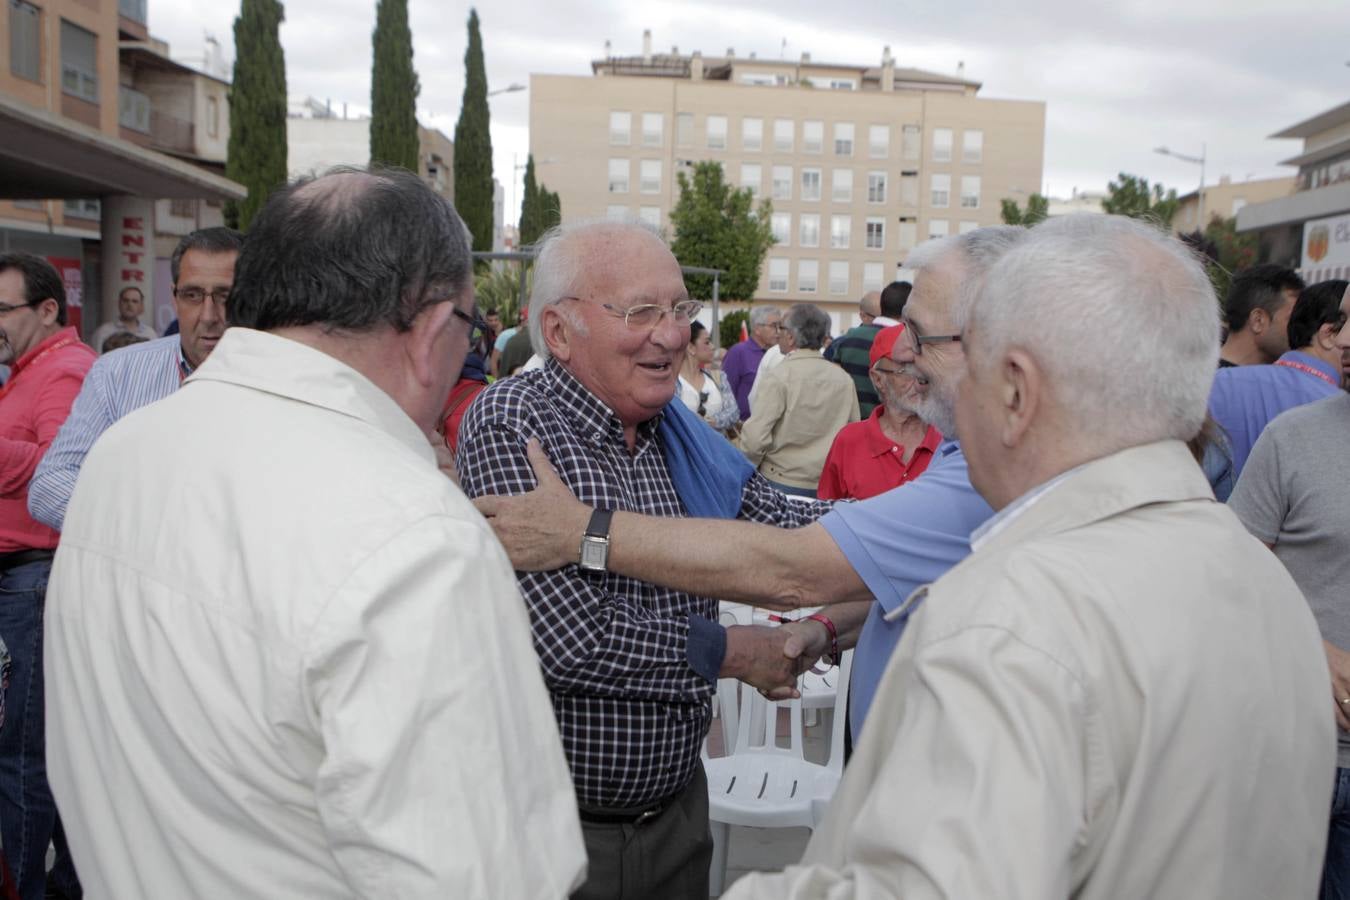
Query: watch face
{"points": [[594, 554]]}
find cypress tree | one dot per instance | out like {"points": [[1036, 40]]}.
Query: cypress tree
{"points": [[257, 149], [529, 207], [473, 145], [393, 89]]}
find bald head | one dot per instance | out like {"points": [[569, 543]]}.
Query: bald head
{"points": [[870, 305]]}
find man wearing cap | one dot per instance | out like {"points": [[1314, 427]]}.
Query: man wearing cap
{"points": [[888, 448], [49, 365]]}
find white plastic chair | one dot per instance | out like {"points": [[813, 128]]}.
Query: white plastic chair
{"points": [[764, 785]]}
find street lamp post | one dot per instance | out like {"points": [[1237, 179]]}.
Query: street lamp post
{"points": [[1199, 160], [509, 89]]}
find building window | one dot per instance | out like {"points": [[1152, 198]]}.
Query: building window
{"points": [[752, 134], [780, 224], [778, 276], [212, 117], [965, 226], [782, 183], [25, 40], [876, 187], [808, 273], [972, 146], [782, 135], [909, 143], [909, 189], [909, 234], [873, 273], [937, 228], [838, 276], [79, 62], [879, 141], [840, 227], [183, 208], [941, 189], [876, 234], [810, 184], [970, 192], [618, 176], [83, 209], [813, 137], [653, 129], [684, 129], [650, 215], [843, 138], [616, 213], [942, 145], [649, 176], [841, 187], [717, 132], [752, 175], [620, 129], [809, 235]]}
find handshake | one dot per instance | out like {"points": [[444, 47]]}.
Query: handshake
{"points": [[772, 657]]}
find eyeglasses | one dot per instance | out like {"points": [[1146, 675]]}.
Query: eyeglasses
{"points": [[649, 315], [883, 371], [477, 327], [7, 308], [915, 341], [194, 296]]}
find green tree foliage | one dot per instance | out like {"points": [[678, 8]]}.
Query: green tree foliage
{"points": [[1131, 196], [393, 89], [540, 209], [257, 149], [1037, 209], [1226, 252], [497, 287], [717, 227], [729, 329], [473, 145]]}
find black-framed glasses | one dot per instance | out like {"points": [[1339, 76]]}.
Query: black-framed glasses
{"points": [[915, 341], [649, 315], [477, 326], [7, 308], [193, 296]]}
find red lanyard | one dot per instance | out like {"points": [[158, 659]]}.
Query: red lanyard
{"points": [[1309, 369], [14, 376]]}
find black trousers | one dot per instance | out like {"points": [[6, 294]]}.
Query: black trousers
{"points": [[664, 858]]}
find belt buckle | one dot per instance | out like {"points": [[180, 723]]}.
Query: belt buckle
{"points": [[647, 816]]}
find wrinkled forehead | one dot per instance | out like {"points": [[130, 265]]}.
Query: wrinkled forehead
{"points": [[628, 267]]}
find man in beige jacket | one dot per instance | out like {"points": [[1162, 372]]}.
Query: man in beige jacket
{"points": [[1119, 694]]}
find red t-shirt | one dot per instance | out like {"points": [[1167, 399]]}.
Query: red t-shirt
{"points": [[33, 404], [863, 462]]}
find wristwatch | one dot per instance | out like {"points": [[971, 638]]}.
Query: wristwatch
{"points": [[595, 542]]}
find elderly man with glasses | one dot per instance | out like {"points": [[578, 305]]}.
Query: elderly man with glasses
{"points": [[631, 666]]}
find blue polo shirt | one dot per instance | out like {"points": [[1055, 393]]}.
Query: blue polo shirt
{"points": [[899, 541], [1245, 398]]}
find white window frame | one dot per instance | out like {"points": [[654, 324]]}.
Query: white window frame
{"points": [[649, 183], [839, 276], [940, 190], [752, 134], [684, 129], [938, 228], [876, 187], [653, 136], [755, 183], [781, 189], [614, 165], [874, 235], [843, 138], [620, 128], [780, 226], [911, 143], [779, 269], [808, 276], [781, 143], [616, 213], [716, 132], [965, 225], [942, 145], [972, 151], [651, 215], [841, 189], [807, 193], [811, 239], [970, 192], [873, 276], [879, 141], [814, 145], [841, 232]]}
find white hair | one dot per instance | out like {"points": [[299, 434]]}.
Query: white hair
{"points": [[558, 265], [978, 250], [760, 314], [1121, 316]]}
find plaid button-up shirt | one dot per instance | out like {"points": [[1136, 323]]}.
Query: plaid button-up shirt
{"points": [[614, 650]]}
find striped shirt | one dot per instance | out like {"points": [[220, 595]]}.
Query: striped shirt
{"points": [[615, 651], [853, 353], [119, 383]]}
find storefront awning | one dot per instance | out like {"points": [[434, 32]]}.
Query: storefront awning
{"points": [[46, 156]]}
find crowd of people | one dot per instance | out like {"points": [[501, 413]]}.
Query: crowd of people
{"points": [[345, 589]]}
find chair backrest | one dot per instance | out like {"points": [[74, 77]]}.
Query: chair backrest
{"points": [[761, 715], [835, 762]]}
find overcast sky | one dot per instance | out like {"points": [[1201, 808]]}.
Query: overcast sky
{"points": [[1118, 79]]}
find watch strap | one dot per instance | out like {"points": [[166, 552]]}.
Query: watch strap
{"points": [[599, 524]]}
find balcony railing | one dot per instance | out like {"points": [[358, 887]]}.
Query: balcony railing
{"points": [[132, 9], [172, 133], [133, 110]]}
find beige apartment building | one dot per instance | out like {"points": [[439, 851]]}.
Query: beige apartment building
{"points": [[1226, 198], [860, 163]]}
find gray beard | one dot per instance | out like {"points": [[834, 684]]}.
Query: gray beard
{"points": [[937, 412]]}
